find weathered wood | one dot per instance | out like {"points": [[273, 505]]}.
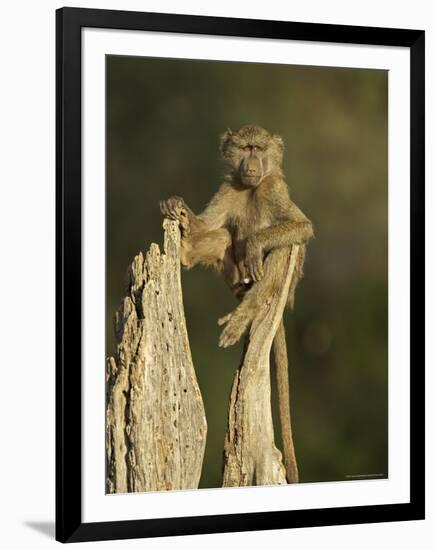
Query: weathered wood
{"points": [[155, 419], [250, 454]]}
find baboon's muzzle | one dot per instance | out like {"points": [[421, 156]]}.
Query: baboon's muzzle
{"points": [[251, 171]]}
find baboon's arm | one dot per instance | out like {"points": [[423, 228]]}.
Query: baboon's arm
{"points": [[289, 226], [216, 213], [204, 239], [285, 233]]}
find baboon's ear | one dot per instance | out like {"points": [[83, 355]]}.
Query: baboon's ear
{"points": [[279, 143], [224, 138]]}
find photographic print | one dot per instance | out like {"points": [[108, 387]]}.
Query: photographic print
{"points": [[240, 253], [246, 274]]}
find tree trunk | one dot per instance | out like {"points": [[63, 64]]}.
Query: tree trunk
{"points": [[155, 420], [250, 454]]}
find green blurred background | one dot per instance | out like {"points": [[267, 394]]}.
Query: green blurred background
{"points": [[164, 118]]}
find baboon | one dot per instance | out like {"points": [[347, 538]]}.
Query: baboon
{"points": [[246, 232]]}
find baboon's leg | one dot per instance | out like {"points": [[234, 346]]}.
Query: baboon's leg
{"points": [[208, 247], [258, 295], [200, 245]]}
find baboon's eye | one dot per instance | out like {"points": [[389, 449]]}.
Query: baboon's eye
{"points": [[257, 149], [247, 148]]}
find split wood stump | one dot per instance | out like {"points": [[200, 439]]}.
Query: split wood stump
{"points": [[250, 454], [155, 420]]}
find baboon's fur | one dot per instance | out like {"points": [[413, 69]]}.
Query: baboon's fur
{"points": [[245, 232]]}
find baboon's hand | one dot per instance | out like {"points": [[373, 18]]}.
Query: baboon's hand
{"points": [[254, 261], [175, 209], [243, 273], [232, 332]]}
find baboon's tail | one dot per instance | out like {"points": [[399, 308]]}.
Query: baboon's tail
{"points": [[281, 365]]}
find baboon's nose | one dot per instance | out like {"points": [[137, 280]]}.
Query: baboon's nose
{"points": [[251, 168]]}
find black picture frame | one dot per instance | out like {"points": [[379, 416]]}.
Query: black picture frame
{"points": [[69, 525]]}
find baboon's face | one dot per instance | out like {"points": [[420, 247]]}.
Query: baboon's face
{"points": [[251, 154], [253, 165]]}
